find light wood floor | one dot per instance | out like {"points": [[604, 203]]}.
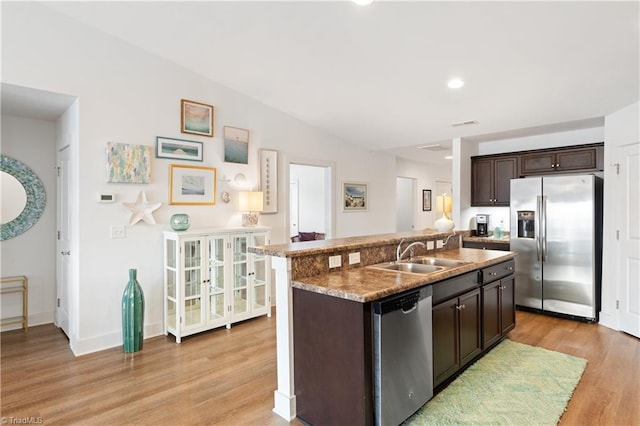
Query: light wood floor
{"points": [[227, 377]]}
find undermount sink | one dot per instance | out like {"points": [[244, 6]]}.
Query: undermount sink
{"points": [[415, 268], [436, 261], [420, 265]]}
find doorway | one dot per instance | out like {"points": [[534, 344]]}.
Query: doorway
{"points": [[310, 198], [405, 204]]}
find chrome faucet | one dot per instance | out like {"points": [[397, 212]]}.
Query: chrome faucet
{"points": [[409, 248]]}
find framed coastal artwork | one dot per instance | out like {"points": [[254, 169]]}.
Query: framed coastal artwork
{"points": [[178, 149], [192, 185], [354, 196], [236, 145], [196, 118], [126, 163]]}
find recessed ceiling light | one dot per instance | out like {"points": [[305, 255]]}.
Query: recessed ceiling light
{"points": [[455, 83], [362, 2], [449, 157]]}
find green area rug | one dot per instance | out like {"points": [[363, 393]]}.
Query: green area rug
{"points": [[514, 384]]}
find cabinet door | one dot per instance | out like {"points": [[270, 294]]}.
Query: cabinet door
{"points": [[240, 288], [172, 257], [538, 162], [482, 182], [217, 297], [192, 297], [507, 304], [577, 159], [259, 278], [491, 324], [505, 169], [445, 340], [470, 336]]}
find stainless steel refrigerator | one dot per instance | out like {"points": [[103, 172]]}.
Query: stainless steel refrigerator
{"points": [[556, 231]]}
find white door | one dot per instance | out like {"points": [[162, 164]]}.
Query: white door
{"points": [[63, 246], [405, 204], [629, 238]]}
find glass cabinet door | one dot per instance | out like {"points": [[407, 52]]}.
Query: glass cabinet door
{"points": [[192, 310], [259, 275], [240, 277], [217, 305], [170, 279]]}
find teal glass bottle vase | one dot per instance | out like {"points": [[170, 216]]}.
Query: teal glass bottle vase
{"points": [[132, 314]]}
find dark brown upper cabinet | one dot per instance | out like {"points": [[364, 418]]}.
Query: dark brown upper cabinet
{"points": [[491, 174], [581, 159], [490, 180]]}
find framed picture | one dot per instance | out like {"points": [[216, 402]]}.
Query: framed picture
{"points": [[192, 185], [426, 200], [128, 163], [354, 196], [236, 145], [196, 118], [269, 180], [178, 149]]}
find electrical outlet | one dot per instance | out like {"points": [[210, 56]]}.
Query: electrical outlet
{"points": [[335, 261], [429, 245], [354, 258], [439, 243], [117, 232]]}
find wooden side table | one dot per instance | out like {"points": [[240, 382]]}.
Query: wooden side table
{"points": [[17, 284]]}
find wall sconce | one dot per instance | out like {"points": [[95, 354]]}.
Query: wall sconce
{"points": [[250, 203], [444, 205]]}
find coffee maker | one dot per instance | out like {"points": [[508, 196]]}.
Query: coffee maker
{"points": [[482, 225]]}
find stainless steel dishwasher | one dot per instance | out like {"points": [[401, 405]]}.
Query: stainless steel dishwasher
{"points": [[403, 355]]}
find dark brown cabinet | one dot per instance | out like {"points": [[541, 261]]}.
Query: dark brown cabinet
{"points": [[585, 159], [498, 310], [490, 180], [491, 174], [456, 334]]}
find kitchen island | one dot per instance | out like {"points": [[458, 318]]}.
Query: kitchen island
{"points": [[334, 305]]}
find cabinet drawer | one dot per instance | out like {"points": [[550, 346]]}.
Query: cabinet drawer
{"points": [[498, 271], [447, 289]]}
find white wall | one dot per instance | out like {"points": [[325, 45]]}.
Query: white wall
{"points": [[621, 128], [426, 176], [33, 143], [128, 96]]}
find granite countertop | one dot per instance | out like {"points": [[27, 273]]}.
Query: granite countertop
{"points": [[366, 284], [306, 248]]}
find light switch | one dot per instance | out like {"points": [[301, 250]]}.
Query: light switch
{"points": [[117, 232], [335, 261], [354, 258]]}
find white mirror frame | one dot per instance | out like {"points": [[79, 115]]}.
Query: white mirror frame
{"points": [[36, 198]]}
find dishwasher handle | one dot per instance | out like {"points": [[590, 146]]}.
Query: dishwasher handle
{"points": [[411, 309]]}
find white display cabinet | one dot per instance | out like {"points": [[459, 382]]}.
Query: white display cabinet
{"points": [[211, 279]]}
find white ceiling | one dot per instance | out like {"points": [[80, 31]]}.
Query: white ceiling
{"points": [[376, 75]]}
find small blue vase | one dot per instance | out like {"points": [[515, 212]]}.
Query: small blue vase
{"points": [[132, 315]]}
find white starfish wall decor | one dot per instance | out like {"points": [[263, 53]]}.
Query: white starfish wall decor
{"points": [[142, 209]]}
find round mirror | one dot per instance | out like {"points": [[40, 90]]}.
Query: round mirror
{"points": [[14, 197], [25, 198]]}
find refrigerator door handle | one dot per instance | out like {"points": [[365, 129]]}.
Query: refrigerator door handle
{"points": [[543, 228], [538, 227]]}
